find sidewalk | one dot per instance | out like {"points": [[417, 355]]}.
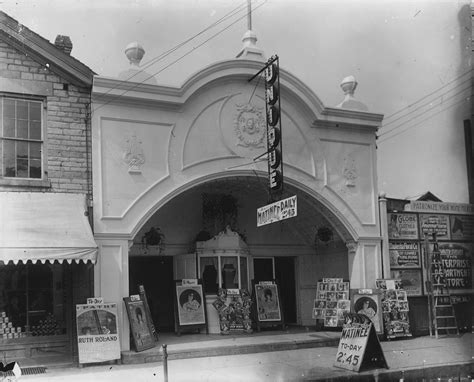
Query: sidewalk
{"points": [[417, 358]]}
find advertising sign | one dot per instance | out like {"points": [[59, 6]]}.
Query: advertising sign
{"points": [[359, 347], [457, 262], [268, 302], [281, 210], [462, 227], [140, 327], [404, 254], [402, 226], [274, 142], [440, 207], [410, 279], [438, 224], [97, 335]]}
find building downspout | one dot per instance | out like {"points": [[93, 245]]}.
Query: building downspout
{"points": [[384, 234]]}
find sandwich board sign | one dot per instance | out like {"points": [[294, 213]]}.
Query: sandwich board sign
{"points": [[359, 347]]}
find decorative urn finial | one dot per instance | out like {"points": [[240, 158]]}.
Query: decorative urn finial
{"points": [[134, 52]]}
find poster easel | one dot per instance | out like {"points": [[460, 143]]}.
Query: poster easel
{"points": [[267, 307], [331, 302], [190, 306]]}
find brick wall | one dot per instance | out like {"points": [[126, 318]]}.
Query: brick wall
{"points": [[67, 125]]}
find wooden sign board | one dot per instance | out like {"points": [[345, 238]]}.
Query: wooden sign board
{"points": [[359, 347]]}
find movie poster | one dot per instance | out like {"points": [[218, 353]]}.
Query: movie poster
{"points": [[402, 226], [432, 223], [97, 333]]}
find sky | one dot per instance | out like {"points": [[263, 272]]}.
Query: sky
{"points": [[412, 61]]}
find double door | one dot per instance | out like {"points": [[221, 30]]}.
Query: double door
{"points": [[281, 268]]}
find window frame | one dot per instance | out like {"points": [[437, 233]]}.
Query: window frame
{"points": [[25, 181]]}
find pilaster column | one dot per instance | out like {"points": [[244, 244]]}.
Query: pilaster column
{"points": [[111, 280], [384, 234]]}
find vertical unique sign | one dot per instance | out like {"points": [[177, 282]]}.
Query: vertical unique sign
{"points": [[273, 108]]}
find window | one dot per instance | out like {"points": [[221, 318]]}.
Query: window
{"points": [[21, 137], [32, 300]]}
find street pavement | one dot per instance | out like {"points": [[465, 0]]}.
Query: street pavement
{"points": [[415, 359]]}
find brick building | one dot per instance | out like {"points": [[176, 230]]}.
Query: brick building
{"points": [[46, 242]]}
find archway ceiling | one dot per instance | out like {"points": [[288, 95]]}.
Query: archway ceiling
{"points": [[311, 213]]}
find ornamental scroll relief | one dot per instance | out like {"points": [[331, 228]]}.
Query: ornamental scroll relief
{"points": [[133, 155], [349, 171]]}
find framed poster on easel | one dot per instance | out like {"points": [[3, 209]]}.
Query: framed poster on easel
{"points": [[190, 306], [268, 310], [140, 327]]}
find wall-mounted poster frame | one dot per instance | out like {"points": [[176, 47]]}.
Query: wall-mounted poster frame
{"points": [[402, 226], [411, 280], [369, 304], [434, 223], [404, 254], [190, 303], [268, 306], [140, 327]]}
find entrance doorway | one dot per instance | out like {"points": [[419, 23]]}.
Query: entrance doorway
{"points": [[283, 270], [156, 275]]}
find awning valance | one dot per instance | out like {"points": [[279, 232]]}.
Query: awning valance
{"points": [[44, 227]]}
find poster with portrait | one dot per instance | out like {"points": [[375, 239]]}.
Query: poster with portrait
{"points": [[190, 304], [140, 327], [268, 302], [369, 305], [97, 333]]}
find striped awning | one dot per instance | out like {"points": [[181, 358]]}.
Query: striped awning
{"points": [[45, 227]]}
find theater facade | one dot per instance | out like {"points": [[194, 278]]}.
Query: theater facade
{"points": [[179, 173]]}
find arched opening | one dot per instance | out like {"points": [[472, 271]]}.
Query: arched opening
{"points": [[297, 251]]}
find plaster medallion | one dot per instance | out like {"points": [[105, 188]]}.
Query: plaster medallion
{"points": [[249, 126], [133, 154]]}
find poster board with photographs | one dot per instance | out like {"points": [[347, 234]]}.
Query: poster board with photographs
{"points": [[140, 327], [190, 306], [268, 310], [369, 303], [332, 301], [97, 333], [394, 308]]}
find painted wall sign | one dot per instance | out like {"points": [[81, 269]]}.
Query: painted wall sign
{"points": [[404, 254], [97, 334], [402, 226], [434, 223], [281, 210]]}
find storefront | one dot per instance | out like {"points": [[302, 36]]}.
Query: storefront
{"points": [[179, 164], [47, 253], [411, 229]]}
